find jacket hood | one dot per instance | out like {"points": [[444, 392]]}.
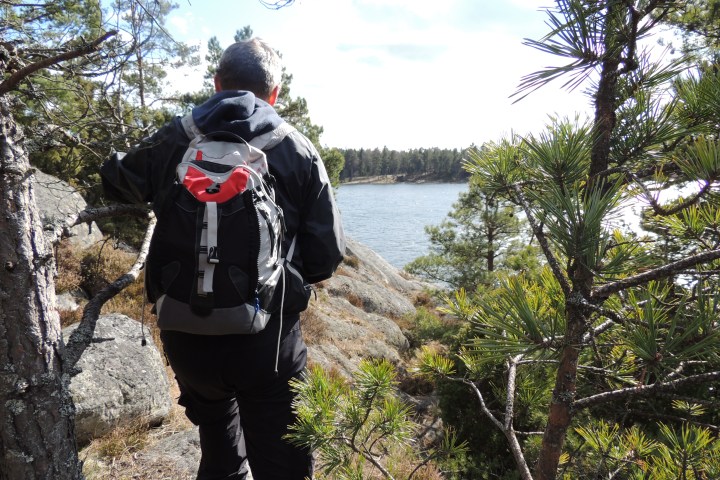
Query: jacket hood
{"points": [[238, 112]]}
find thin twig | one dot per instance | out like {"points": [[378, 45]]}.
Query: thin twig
{"points": [[544, 245]]}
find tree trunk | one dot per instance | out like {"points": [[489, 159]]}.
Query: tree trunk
{"points": [[561, 413], [36, 412], [563, 396]]}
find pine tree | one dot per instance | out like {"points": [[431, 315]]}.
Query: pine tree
{"points": [[616, 326]]}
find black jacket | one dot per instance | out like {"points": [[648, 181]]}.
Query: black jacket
{"points": [[303, 189]]}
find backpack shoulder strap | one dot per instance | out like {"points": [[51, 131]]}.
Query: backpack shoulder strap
{"points": [[191, 130], [268, 140]]}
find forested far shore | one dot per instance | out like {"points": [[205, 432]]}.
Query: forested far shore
{"points": [[416, 165], [390, 179]]}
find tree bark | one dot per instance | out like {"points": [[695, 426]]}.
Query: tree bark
{"points": [[36, 412], [563, 397]]}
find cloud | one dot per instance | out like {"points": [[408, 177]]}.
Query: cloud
{"points": [[180, 24], [401, 73], [380, 54]]}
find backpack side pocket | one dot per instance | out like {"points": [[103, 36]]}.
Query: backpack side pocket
{"points": [[297, 291]]}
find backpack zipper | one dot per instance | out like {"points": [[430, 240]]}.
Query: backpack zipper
{"points": [[266, 217], [256, 199]]}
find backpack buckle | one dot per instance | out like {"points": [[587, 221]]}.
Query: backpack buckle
{"points": [[214, 188], [213, 256]]}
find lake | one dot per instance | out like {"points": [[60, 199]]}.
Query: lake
{"points": [[391, 218]]}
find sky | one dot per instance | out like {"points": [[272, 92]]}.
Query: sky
{"points": [[401, 74]]}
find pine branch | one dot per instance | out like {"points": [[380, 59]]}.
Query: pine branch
{"points": [[13, 80], [542, 240], [369, 457], [675, 418], [654, 274], [645, 390]]}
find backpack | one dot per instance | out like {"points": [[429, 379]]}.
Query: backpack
{"points": [[217, 248]]}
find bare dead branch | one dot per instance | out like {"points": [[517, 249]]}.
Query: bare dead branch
{"points": [[659, 273], [92, 214], [82, 336], [506, 427], [276, 5], [645, 390]]}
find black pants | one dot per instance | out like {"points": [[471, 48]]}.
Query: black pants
{"points": [[229, 388]]}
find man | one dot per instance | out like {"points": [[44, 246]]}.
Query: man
{"points": [[229, 383]]}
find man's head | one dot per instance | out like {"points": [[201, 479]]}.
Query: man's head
{"points": [[250, 65]]}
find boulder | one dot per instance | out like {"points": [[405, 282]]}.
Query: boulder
{"points": [[121, 380], [57, 201], [358, 312], [181, 450], [372, 298], [375, 270]]}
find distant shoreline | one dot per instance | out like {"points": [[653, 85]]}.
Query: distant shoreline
{"points": [[390, 179]]}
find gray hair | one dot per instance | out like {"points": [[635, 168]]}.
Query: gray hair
{"points": [[250, 65]]}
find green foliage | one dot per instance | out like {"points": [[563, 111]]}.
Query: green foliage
{"points": [[361, 428], [434, 164], [699, 23], [690, 452], [518, 319], [76, 112], [428, 325], [481, 237], [334, 162], [610, 349]]}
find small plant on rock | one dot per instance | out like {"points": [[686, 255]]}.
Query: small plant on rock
{"points": [[363, 430]]}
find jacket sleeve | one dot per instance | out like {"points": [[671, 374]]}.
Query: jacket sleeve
{"points": [[320, 236], [311, 214], [141, 174]]}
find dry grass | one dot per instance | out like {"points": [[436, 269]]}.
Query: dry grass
{"points": [[130, 468], [68, 264], [355, 300], [115, 456], [424, 299], [343, 271], [351, 261], [313, 328], [93, 269], [401, 462]]}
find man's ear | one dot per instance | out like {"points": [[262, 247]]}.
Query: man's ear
{"points": [[274, 95], [218, 86]]}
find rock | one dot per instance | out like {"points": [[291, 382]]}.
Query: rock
{"points": [[181, 450], [57, 201], [357, 312], [372, 298], [375, 270], [70, 301], [120, 381]]}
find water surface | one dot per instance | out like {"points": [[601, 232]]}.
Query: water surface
{"points": [[390, 218]]}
